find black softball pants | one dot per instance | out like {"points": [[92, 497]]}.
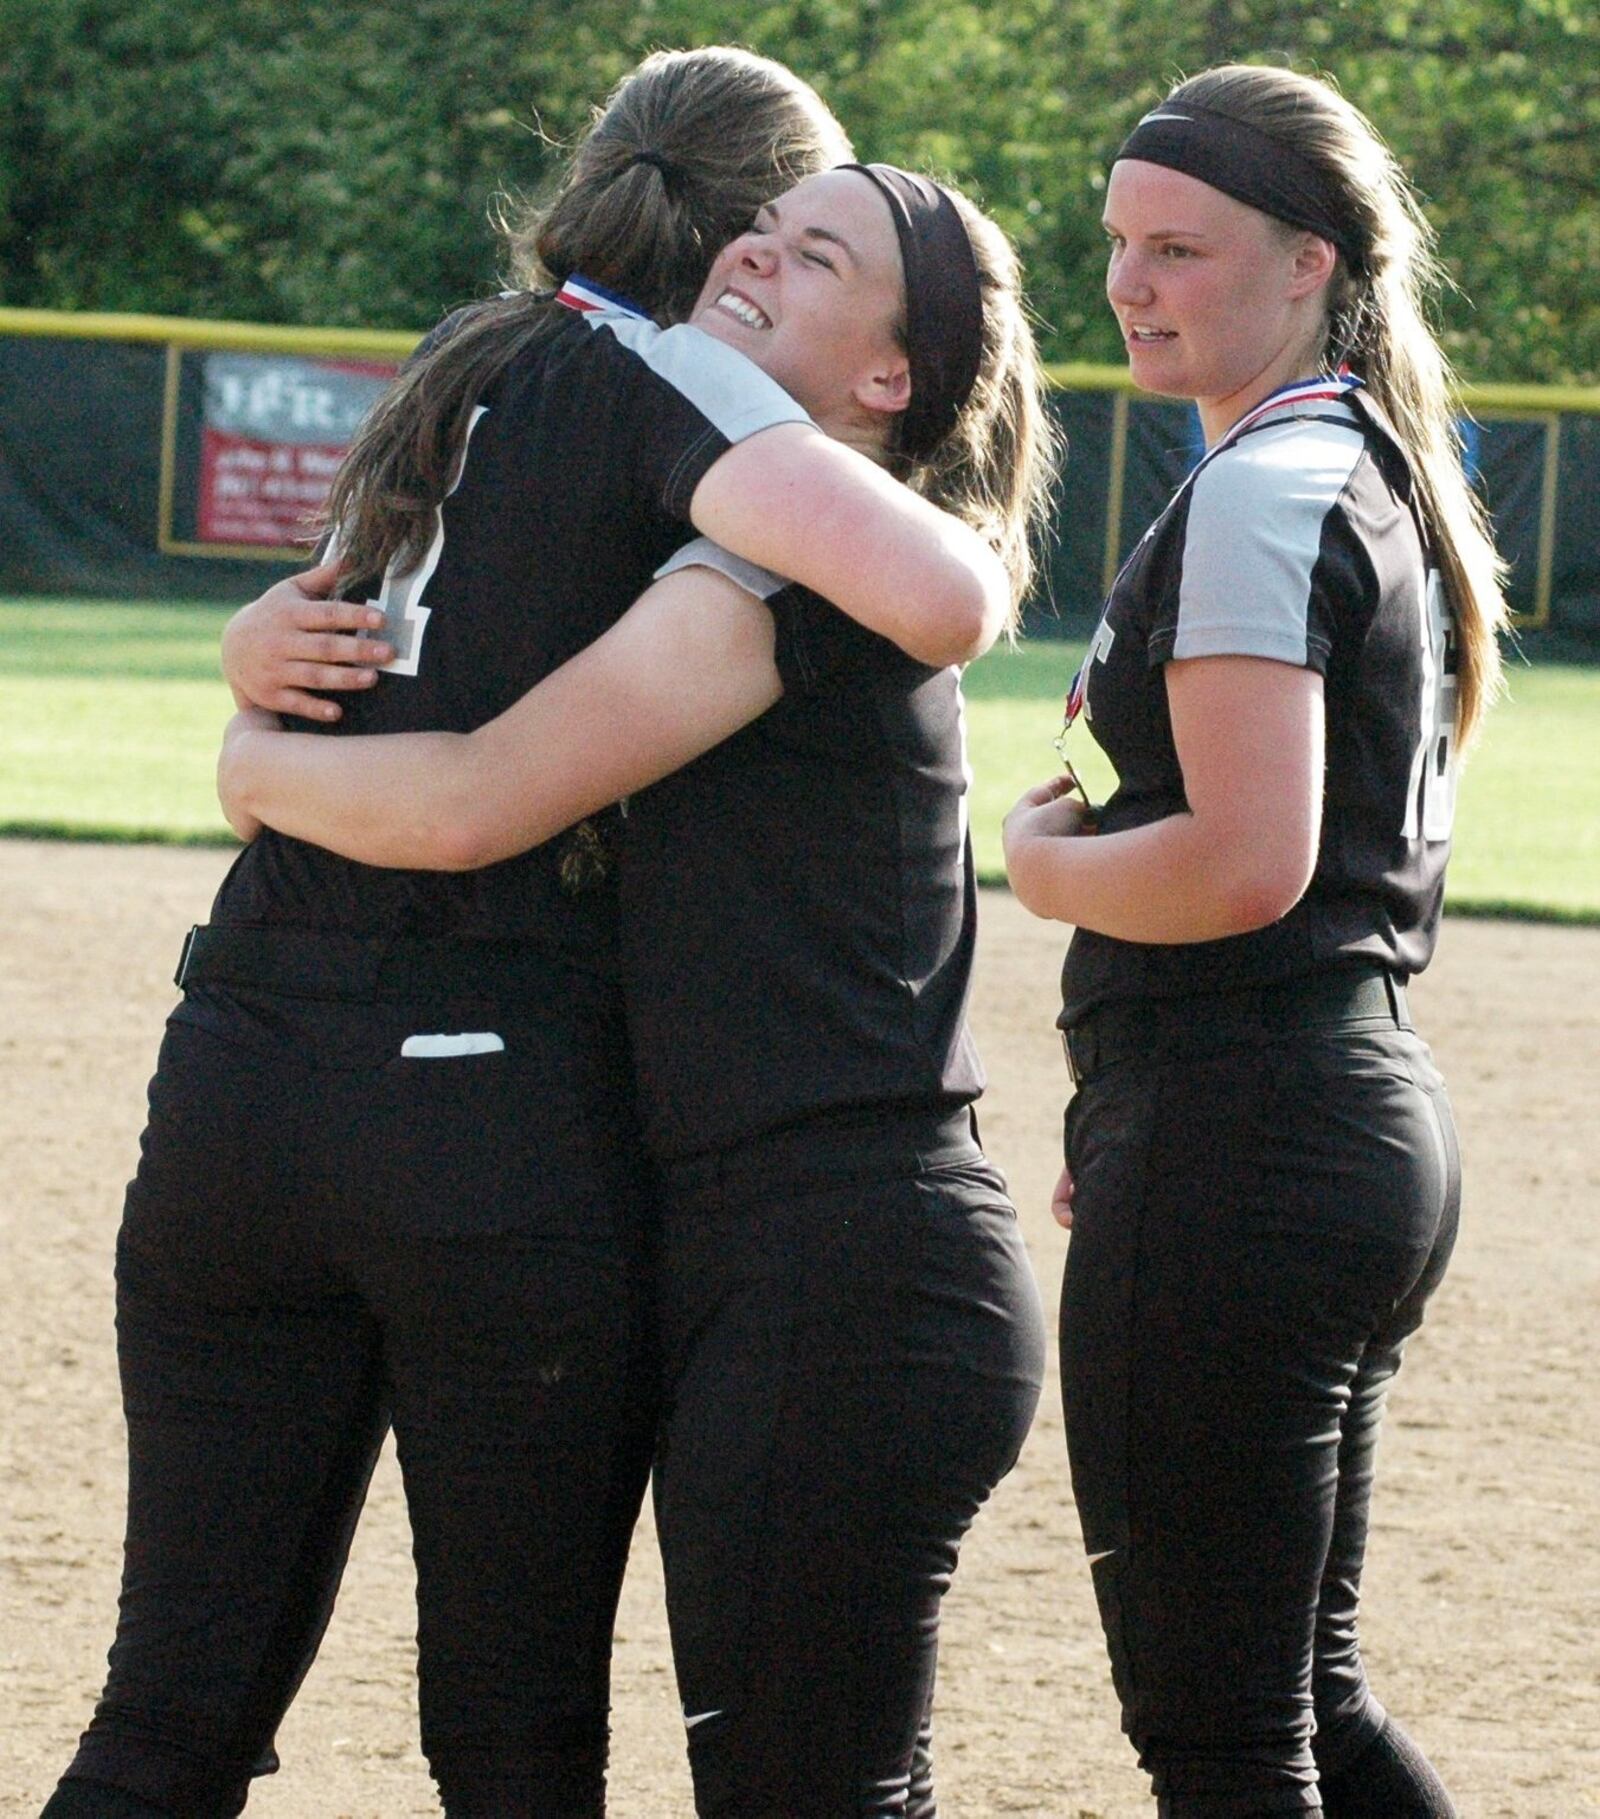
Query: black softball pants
{"points": [[1258, 1222], [308, 1252], [854, 1351]]}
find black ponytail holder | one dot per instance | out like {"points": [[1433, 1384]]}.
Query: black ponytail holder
{"points": [[666, 167]]}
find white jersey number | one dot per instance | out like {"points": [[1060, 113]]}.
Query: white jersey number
{"points": [[1431, 789], [1099, 651], [405, 618]]}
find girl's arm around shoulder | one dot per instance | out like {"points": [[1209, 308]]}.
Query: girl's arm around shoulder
{"points": [[812, 509], [688, 665], [1249, 736]]}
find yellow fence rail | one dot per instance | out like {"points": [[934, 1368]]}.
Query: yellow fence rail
{"points": [[232, 337], [391, 344]]}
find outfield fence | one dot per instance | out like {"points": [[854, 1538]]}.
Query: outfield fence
{"points": [[156, 457]]}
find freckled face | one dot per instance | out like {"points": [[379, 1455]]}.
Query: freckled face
{"points": [[1211, 295], [813, 292]]}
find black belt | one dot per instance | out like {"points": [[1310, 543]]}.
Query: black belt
{"points": [[1168, 1029], [362, 969]]}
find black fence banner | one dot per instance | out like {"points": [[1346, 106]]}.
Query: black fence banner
{"points": [[151, 457]]}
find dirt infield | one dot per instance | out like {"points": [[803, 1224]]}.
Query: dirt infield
{"points": [[1484, 1582]]}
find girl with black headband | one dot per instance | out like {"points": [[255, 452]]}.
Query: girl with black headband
{"points": [[852, 1334], [1262, 1179], [392, 1168]]}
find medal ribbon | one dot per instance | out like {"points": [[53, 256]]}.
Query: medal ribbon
{"points": [[588, 298], [1298, 391]]}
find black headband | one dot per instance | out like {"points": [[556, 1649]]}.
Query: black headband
{"points": [[944, 304], [1243, 162]]}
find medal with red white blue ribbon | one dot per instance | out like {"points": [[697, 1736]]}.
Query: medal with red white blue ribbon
{"points": [[589, 298], [1073, 705]]}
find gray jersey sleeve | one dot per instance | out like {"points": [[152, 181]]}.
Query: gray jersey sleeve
{"points": [[815, 641], [701, 552], [731, 392], [1257, 522]]}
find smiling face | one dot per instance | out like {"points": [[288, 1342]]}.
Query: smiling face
{"points": [[814, 294], [1216, 301]]}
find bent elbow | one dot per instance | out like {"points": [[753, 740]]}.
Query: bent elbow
{"points": [[458, 841], [978, 634], [1264, 895], [481, 831], [962, 625]]}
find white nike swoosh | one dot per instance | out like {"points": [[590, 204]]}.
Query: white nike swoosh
{"points": [[699, 1718], [1104, 1554]]}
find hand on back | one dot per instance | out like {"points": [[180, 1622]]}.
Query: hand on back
{"points": [[294, 638]]}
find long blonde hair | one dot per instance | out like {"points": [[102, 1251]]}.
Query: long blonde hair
{"points": [[1377, 322]]}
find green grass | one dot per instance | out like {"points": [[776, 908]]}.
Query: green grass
{"points": [[109, 718]]}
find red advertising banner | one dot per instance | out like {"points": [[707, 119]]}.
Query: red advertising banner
{"points": [[274, 428]]}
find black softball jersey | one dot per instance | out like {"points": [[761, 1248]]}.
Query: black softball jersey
{"points": [[1296, 539], [799, 905], [392, 1173], [500, 599]]}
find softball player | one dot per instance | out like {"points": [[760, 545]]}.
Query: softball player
{"points": [[1262, 1178], [851, 1330], [309, 1249], [852, 1338]]}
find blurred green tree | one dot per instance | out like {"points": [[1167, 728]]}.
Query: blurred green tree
{"points": [[301, 162]]}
